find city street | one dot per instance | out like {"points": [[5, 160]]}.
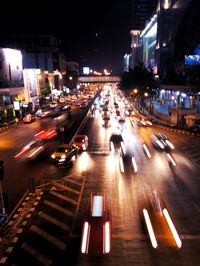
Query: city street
{"points": [[52, 235]]}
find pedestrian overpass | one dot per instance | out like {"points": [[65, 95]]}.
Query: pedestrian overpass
{"points": [[98, 79]]}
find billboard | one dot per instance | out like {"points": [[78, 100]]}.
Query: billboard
{"points": [[86, 70], [10, 67], [30, 83]]}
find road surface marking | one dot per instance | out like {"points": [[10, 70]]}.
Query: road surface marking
{"points": [[3, 260], [72, 190], [41, 258], [79, 183], [48, 237], [190, 237], [14, 239], [9, 250], [54, 221], [57, 207], [63, 197], [19, 231]]}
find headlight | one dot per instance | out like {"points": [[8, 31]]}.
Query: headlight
{"points": [[53, 156], [63, 156]]}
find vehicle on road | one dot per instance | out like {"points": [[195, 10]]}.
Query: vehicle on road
{"points": [[29, 118], [97, 226], [46, 133], [116, 144], [159, 223], [106, 121], [80, 141], [64, 154]]}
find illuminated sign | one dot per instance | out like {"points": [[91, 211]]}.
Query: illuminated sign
{"points": [[86, 70], [16, 105]]}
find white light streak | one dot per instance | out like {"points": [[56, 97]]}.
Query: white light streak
{"points": [[121, 164], [171, 159], [172, 228], [150, 229], [134, 165], [85, 238], [147, 151], [107, 238]]}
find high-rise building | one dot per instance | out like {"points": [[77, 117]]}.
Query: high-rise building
{"points": [[142, 12]]}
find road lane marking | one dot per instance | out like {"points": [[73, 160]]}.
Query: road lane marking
{"points": [[73, 190], [3, 260], [79, 183], [54, 221], [63, 197], [57, 207], [41, 258], [9, 249], [48, 237], [190, 237]]}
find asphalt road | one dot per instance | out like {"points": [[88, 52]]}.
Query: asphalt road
{"points": [[53, 234]]}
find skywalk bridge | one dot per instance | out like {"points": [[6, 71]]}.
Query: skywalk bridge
{"points": [[98, 79]]}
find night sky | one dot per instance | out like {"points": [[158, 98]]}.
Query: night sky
{"points": [[93, 33]]}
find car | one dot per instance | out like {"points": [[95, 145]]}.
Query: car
{"points": [[121, 123], [106, 121], [158, 144], [143, 122], [64, 154], [159, 223], [53, 104], [31, 150], [97, 226], [35, 149], [116, 144], [46, 133], [165, 140], [29, 118], [81, 142]]}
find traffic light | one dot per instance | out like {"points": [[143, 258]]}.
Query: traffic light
{"points": [[2, 170]]}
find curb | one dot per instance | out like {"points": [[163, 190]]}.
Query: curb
{"points": [[180, 131], [7, 127]]}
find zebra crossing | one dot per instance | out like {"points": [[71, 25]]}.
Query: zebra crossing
{"points": [[43, 239]]}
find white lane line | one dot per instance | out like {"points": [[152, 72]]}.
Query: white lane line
{"points": [[48, 237], [57, 207], [3, 260], [54, 221], [40, 257], [190, 237], [9, 249], [63, 197]]}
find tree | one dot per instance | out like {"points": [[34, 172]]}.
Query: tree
{"points": [[140, 82]]}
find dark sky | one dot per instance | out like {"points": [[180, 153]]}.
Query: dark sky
{"points": [[93, 33]]}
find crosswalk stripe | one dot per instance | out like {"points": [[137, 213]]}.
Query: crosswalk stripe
{"points": [[57, 207], [54, 221], [79, 183], [44, 260], [49, 237], [63, 197], [72, 190]]}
